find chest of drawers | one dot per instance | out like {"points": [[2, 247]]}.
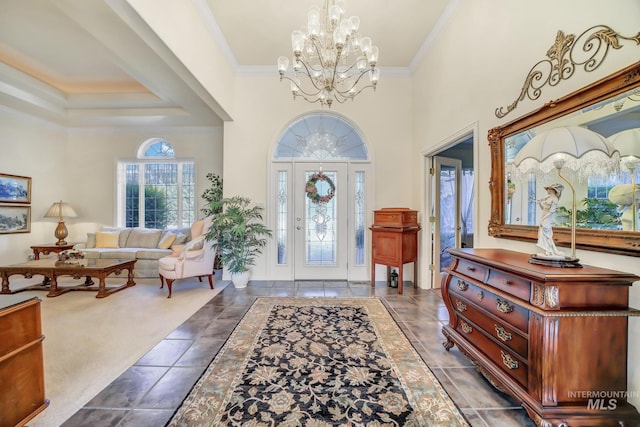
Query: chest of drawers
{"points": [[555, 339]]}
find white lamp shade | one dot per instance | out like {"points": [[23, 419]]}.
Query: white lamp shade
{"points": [[628, 143], [59, 210], [583, 152]]}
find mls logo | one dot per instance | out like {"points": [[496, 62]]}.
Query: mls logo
{"points": [[602, 404]]}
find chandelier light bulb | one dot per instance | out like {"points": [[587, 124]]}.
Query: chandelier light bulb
{"points": [[365, 44], [355, 24], [374, 75], [283, 64], [373, 55], [335, 12], [297, 41], [330, 57]]}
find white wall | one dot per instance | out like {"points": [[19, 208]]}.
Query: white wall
{"points": [[479, 62], [34, 149]]}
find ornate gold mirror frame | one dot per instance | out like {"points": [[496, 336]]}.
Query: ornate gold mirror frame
{"points": [[613, 241]]}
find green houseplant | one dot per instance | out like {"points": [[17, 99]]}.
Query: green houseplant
{"points": [[213, 197], [240, 235]]}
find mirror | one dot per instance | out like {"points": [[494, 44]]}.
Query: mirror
{"points": [[611, 107]]}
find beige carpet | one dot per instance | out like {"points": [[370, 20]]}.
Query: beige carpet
{"points": [[89, 342]]}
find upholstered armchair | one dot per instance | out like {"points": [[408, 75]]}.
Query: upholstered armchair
{"points": [[194, 260]]}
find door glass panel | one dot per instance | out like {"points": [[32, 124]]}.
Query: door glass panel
{"points": [[321, 225], [282, 215], [448, 221], [359, 212]]}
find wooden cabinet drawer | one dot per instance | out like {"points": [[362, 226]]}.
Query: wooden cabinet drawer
{"points": [[506, 360], [472, 270], [510, 313], [20, 328], [501, 332], [395, 217], [513, 285]]}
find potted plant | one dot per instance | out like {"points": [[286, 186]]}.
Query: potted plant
{"points": [[213, 197], [239, 234]]}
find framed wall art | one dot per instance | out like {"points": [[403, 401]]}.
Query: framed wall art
{"points": [[15, 219], [15, 189]]}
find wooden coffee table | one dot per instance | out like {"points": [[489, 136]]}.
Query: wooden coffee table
{"points": [[51, 269]]}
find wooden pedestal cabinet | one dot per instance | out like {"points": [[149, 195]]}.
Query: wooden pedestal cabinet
{"points": [[553, 338], [21, 363], [394, 241]]}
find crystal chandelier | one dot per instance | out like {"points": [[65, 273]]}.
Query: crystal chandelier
{"points": [[331, 60]]}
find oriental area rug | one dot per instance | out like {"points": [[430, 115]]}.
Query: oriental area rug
{"points": [[318, 362]]}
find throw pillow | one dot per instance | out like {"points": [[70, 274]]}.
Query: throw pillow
{"points": [[124, 234], [107, 239], [197, 246], [91, 241], [167, 240], [181, 239], [196, 228], [144, 238], [176, 250]]}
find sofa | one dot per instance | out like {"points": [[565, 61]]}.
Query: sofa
{"points": [[145, 245]]}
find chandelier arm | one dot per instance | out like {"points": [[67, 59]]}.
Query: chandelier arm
{"points": [[300, 89], [312, 100], [309, 75], [343, 92], [335, 69], [343, 98], [315, 42]]}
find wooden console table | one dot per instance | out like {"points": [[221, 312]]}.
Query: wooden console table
{"points": [[21, 360], [394, 241], [553, 338]]}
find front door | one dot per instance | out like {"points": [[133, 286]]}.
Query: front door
{"points": [[320, 222]]}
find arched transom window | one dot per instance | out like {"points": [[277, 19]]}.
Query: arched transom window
{"points": [[321, 136]]}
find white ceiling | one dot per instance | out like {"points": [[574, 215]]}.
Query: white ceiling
{"points": [[96, 63]]}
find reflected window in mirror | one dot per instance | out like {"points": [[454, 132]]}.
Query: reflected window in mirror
{"points": [[602, 203], [610, 107]]}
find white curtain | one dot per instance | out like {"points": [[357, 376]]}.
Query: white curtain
{"points": [[467, 205]]}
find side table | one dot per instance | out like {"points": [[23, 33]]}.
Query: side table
{"points": [[48, 248], [394, 246]]}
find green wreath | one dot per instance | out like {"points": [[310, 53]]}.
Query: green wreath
{"points": [[312, 190]]}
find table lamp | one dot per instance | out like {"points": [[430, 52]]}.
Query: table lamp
{"points": [[579, 151], [628, 143], [60, 210]]}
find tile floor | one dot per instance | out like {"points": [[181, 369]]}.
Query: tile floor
{"points": [[150, 391]]}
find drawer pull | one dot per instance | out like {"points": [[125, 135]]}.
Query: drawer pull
{"points": [[506, 282], [504, 306], [471, 268], [508, 361], [461, 306], [502, 333], [465, 327], [480, 295], [462, 286]]}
